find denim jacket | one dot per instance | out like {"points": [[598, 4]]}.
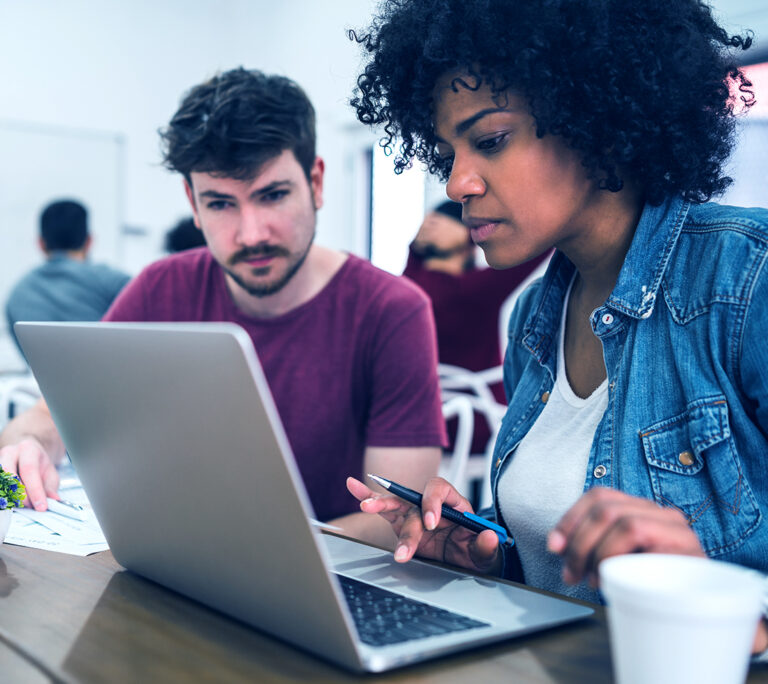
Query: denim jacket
{"points": [[685, 344]]}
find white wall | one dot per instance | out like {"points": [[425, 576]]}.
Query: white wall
{"points": [[120, 67], [117, 68]]}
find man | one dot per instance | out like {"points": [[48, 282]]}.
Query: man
{"points": [[67, 287], [349, 351]]}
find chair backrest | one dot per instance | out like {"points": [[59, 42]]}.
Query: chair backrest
{"points": [[454, 465], [468, 396]]}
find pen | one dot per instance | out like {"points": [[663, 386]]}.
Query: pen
{"points": [[469, 520], [66, 508]]}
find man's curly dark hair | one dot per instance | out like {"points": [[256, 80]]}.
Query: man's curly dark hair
{"points": [[233, 123], [645, 90]]}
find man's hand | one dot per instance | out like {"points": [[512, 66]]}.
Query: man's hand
{"points": [[443, 233], [605, 522], [29, 460], [31, 447]]}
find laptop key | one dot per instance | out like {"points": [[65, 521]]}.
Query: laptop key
{"points": [[383, 617]]}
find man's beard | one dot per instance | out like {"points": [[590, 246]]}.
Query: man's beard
{"points": [[266, 250]]}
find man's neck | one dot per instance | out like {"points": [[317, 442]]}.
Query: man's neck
{"points": [[315, 273], [74, 254]]}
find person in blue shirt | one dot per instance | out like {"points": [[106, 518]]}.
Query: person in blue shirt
{"points": [[636, 367], [67, 287]]}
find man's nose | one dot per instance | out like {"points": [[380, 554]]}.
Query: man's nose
{"points": [[253, 228]]}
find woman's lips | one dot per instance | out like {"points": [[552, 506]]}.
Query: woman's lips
{"points": [[481, 232]]}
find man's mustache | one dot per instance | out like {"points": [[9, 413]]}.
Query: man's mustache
{"points": [[259, 251]]}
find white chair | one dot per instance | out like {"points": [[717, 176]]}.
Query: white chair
{"points": [[453, 466], [469, 392]]}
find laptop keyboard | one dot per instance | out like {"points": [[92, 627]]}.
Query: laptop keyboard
{"points": [[383, 617]]}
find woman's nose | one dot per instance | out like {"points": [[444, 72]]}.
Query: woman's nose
{"points": [[464, 182]]}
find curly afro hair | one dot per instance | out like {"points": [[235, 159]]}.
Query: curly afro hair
{"points": [[645, 90]]}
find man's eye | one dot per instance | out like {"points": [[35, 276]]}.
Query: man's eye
{"points": [[218, 205], [275, 195]]}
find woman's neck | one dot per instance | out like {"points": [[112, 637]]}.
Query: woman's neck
{"points": [[600, 249]]}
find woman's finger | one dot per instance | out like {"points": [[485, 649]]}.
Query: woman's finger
{"points": [[436, 493]]}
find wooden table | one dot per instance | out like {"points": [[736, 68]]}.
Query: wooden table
{"points": [[69, 619]]}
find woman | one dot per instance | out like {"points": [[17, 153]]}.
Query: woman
{"points": [[635, 370]]}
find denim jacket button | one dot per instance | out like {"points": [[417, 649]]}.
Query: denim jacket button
{"points": [[545, 397], [600, 471], [498, 461], [686, 458], [607, 319]]}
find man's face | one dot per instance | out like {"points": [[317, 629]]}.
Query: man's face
{"points": [[260, 230]]}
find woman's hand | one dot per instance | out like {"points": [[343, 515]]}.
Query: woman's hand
{"points": [[605, 522], [424, 533]]}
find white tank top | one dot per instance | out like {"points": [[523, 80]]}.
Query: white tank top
{"points": [[546, 474]]}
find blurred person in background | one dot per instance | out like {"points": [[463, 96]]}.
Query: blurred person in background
{"points": [[466, 298], [68, 286], [184, 235]]}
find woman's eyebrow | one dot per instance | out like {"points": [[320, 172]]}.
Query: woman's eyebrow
{"points": [[465, 125]]}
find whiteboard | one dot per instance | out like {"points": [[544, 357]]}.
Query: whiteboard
{"points": [[41, 164]]}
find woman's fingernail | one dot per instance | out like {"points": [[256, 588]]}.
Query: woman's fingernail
{"points": [[429, 520], [556, 541], [401, 552]]}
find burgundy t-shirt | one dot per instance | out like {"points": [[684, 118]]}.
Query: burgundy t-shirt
{"points": [[353, 367], [467, 309]]}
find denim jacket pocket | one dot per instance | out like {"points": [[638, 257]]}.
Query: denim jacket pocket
{"points": [[694, 467]]}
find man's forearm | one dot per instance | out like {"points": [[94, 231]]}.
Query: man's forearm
{"points": [[368, 528], [38, 424]]}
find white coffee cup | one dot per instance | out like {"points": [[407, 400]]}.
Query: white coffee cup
{"points": [[680, 619]]}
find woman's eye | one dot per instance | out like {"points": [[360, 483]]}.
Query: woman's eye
{"points": [[492, 143]]}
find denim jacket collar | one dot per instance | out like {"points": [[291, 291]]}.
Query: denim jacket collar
{"points": [[640, 276], [636, 289]]}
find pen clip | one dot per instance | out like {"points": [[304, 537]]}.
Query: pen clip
{"points": [[498, 529]]}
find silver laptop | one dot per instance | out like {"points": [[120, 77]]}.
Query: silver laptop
{"points": [[175, 436]]}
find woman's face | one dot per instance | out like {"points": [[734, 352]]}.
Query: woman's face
{"points": [[521, 195]]}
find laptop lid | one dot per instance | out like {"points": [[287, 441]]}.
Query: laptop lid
{"points": [[161, 418]]}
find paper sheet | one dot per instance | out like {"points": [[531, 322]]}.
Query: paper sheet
{"points": [[54, 532]]}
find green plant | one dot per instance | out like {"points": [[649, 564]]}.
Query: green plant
{"points": [[12, 492]]}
